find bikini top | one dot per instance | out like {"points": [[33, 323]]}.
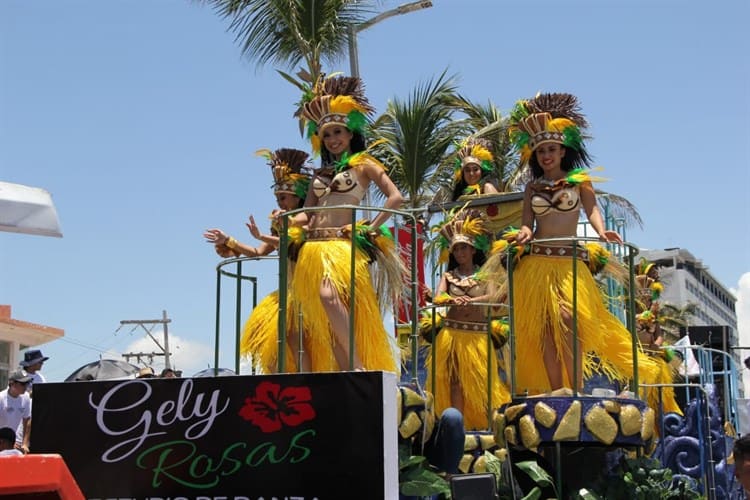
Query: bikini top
{"points": [[557, 198], [338, 188], [459, 286]]}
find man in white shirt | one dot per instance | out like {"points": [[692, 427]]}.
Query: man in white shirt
{"points": [[15, 406], [8, 443]]}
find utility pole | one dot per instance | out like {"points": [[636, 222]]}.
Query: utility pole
{"points": [[152, 322]]}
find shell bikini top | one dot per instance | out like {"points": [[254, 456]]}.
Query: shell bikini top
{"points": [[548, 199], [339, 189], [459, 286]]}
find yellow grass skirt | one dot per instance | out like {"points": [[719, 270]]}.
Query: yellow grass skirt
{"points": [[542, 287], [319, 259], [462, 355], [668, 402], [260, 338]]}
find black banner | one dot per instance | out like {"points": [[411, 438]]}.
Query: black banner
{"points": [[287, 437]]}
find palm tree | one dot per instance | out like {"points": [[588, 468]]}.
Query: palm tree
{"points": [[287, 32], [486, 121], [672, 318], [417, 135]]}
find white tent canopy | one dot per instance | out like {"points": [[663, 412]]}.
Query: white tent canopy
{"points": [[28, 210]]}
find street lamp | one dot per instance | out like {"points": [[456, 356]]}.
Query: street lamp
{"points": [[356, 28]]}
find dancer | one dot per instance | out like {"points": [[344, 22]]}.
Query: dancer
{"points": [[260, 333], [548, 132], [322, 277], [648, 328], [472, 169], [461, 349]]}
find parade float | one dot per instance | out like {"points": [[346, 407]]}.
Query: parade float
{"points": [[341, 435]]}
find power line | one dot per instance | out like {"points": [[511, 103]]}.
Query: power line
{"points": [[152, 322]]}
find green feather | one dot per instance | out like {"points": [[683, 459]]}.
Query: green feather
{"points": [[360, 237], [312, 129], [343, 163], [574, 176], [486, 166], [301, 187], [444, 243], [385, 231], [482, 242], [572, 137], [520, 138], [668, 354], [356, 121], [519, 112]]}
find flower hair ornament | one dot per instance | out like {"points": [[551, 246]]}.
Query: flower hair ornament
{"points": [[290, 174], [336, 100], [549, 118]]}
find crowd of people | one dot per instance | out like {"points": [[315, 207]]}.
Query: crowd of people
{"points": [[16, 400], [15, 404]]}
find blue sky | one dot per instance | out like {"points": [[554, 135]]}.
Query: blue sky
{"points": [[141, 118]]}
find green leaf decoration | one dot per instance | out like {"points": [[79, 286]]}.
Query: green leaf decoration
{"points": [[534, 494], [535, 472]]}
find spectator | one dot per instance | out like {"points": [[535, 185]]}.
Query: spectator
{"points": [[146, 372], [15, 407], [8, 443], [441, 440], [168, 373], [31, 365]]}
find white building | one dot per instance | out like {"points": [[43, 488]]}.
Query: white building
{"points": [[15, 336]]}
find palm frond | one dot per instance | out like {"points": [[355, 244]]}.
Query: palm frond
{"points": [[619, 207], [417, 133], [287, 32], [486, 121]]}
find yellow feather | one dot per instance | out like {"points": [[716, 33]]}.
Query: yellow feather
{"points": [[385, 244], [473, 226], [525, 155], [481, 153], [444, 256], [296, 234], [559, 124], [345, 104], [265, 153], [359, 159], [585, 176], [499, 246]]}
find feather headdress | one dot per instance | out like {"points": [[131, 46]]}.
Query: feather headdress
{"points": [[336, 101], [473, 150], [463, 226], [546, 118], [290, 174]]}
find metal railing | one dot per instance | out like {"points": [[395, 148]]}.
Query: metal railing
{"points": [[283, 273]]}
